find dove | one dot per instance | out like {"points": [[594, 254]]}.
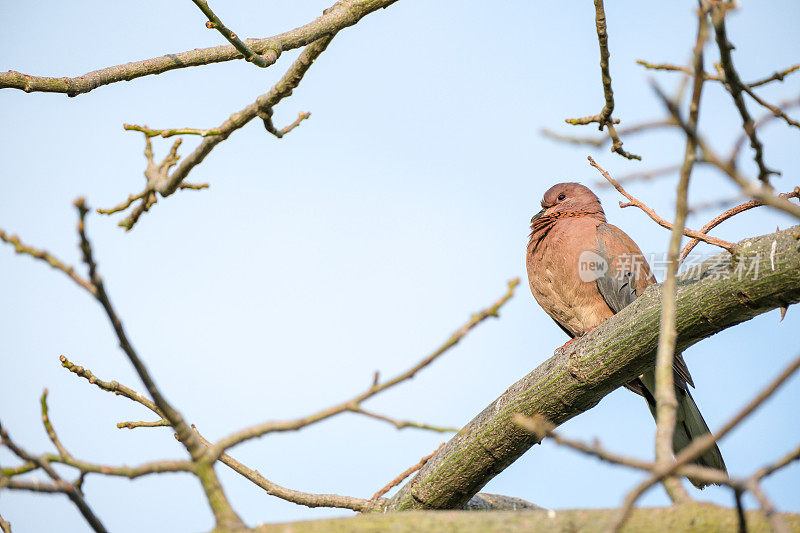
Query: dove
{"points": [[583, 270]]}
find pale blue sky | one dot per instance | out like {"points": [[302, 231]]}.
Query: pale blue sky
{"points": [[357, 243]]}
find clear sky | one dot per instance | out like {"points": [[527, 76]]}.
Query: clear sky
{"points": [[357, 243]]}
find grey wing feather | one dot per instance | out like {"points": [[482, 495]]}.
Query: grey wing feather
{"points": [[618, 289]]}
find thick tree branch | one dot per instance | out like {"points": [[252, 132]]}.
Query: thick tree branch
{"points": [[690, 518], [721, 294]]}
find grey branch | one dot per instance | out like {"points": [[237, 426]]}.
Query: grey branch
{"points": [[577, 378]]}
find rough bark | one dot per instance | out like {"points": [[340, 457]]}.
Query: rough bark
{"points": [[689, 518], [577, 377]]}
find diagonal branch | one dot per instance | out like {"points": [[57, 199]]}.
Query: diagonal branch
{"points": [[167, 184], [736, 87], [354, 404], [666, 401], [715, 297], [633, 201], [58, 484], [722, 217], [342, 14], [268, 58], [224, 514]]}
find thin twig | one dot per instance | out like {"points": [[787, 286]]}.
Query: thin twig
{"points": [[51, 432], [775, 519], [168, 184], [669, 67], [402, 424], [289, 425], [399, 479], [605, 115], [699, 445], [666, 400], [270, 127], [742, 518], [632, 201], [61, 486], [142, 424], [170, 132], [735, 85], [268, 58], [110, 386], [722, 217], [5, 527], [22, 248], [759, 191], [784, 461], [294, 496]]}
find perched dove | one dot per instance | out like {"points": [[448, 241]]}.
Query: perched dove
{"points": [[582, 270]]}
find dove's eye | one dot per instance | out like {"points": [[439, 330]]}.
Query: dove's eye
{"points": [[561, 196]]}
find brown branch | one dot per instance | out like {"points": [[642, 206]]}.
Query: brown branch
{"points": [[666, 401], [400, 478], [5, 527], [51, 432], [169, 132], [604, 118], [295, 496], [43, 255], [777, 76], [110, 386], [73, 493], [224, 514], [669, 67], [598, 142], [775, 520], [646, 175], [605, 69], [582, 121], [784, 461], [759, 191], [737, 146], [270, 127], [342, 14], [141, 424], [266, 59], [165, 184], [402, 424], [632, 201], [736, 87], [722, 217], [353, 404], [701, 444], [776, 111]]}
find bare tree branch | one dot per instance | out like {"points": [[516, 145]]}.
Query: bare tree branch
{"points": [[354, 404], [342, 14], [716, 296], [722, 217], [633, 201], [264, 60], [718, 12], [162, 183], [58, 484], [604, 118]]}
